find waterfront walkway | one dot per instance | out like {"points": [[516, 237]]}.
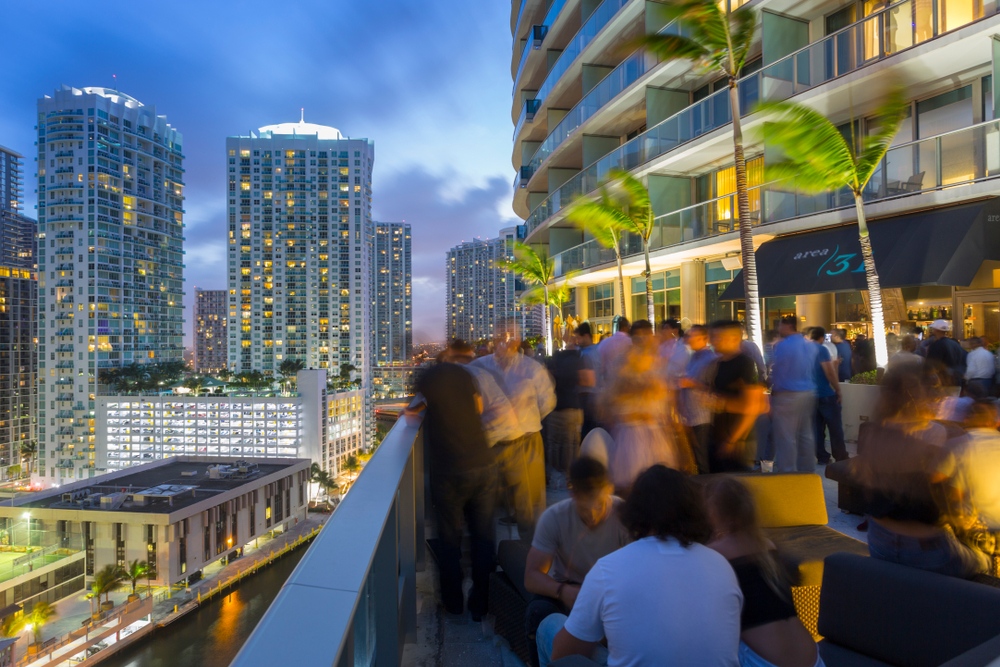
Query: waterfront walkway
{"points": [[444, 640], [73, 611]]}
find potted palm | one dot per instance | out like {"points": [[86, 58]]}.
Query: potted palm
{"points": [[136, 570], [33, 621], [107, 579]]}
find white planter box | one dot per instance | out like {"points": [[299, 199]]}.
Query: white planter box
{"points": [[858, 403]]}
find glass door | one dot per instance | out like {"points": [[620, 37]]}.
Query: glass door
{"points": [[981, 318]]}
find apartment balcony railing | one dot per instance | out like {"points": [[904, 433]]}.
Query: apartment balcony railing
{"points": [[943, 161], [535, 38], [364, 610], [883, 34]]}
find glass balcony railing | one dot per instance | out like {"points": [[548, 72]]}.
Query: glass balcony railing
{"points": [[591, 27], [875, 37], [623, 76], [947, 160], [536, 36], [528, 111]]}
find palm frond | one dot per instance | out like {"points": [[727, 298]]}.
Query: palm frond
{"points": [[742, 24], [534, 266], [633, 197], [806, 179], [811, 142], [670, 47], [887, 118], [601, 218]]}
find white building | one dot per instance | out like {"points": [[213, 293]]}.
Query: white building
{"points": [[110, 272], [316, 424], [481, 297], [392, 284], [299, 267], [179, 515]]}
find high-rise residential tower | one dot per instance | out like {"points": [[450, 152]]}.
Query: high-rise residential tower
{"points": [[392, 292], [17, 231], [18, 315], [299, 198], [110, 236], [481, 297], [210, 325]]}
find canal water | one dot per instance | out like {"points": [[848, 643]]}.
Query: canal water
{"points": [[213, 634]]}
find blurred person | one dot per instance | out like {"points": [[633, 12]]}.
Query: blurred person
{"points": [[739, 396], [793, 400], [864, 355], [497, 415], [978, 464], [764, 430], [571, 536], [907, 356], [596, 446], [980, 366], [828, 399], [664, 599], [612, 349], [771, 634], [944, 355], [462, 480], [589, 377], [908, 478], [674, 354], [566, 420], [520, 460], [844, 354], [891, 343], [642, 334], [696, 397], [634, 407]]}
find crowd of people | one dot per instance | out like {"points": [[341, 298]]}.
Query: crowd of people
{"points": [[631, 424]]}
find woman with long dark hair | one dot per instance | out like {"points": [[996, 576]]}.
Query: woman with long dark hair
{"points": [[771, 634]]}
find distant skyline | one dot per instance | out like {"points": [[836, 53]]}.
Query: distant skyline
{"points": [[429, 83]]}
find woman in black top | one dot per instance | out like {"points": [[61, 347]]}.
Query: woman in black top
{"points": [[771, 633]]}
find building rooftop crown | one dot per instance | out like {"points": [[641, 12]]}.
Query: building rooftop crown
{"points": [[302, 127]]}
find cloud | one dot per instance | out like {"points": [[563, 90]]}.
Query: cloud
{"points": [[441, 218]]}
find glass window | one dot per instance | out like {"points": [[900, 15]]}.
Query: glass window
{"points": [[945, 112], [956, 13], [988, 97], [715, 272], [601, 302], [666, 295]]}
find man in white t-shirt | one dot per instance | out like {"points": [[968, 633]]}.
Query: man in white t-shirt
{"points": [[666, 599]]}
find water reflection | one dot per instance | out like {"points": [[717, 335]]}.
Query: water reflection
{"points": [[212, 635]]}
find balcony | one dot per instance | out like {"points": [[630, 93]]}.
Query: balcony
{"points": [[536, 35], [870, 40], [948, 160]]}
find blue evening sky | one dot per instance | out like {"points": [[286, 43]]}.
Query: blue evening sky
{"points": [[429, 82]]}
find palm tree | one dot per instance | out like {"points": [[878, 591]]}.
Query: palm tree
{"points": [[821, 158], [633, 197], [322, 478], [352, 465], [720, 43], [605, 220], [34, 620], [538, 269], [107, 579], [288, 369], [28, 451], [135, 571], [195, 385]]}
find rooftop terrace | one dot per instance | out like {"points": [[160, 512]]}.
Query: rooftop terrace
{"points": [[162, 487]]}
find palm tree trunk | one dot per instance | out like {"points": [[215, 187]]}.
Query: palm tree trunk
{"points": [[874, 289], [621, 279], [545, 321], [650, 311], [746, 231]]}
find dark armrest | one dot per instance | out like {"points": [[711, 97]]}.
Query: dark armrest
{"points": [[980, 656]]}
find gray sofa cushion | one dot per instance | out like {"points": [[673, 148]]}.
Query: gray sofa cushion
{"points": [[901, 615]]}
